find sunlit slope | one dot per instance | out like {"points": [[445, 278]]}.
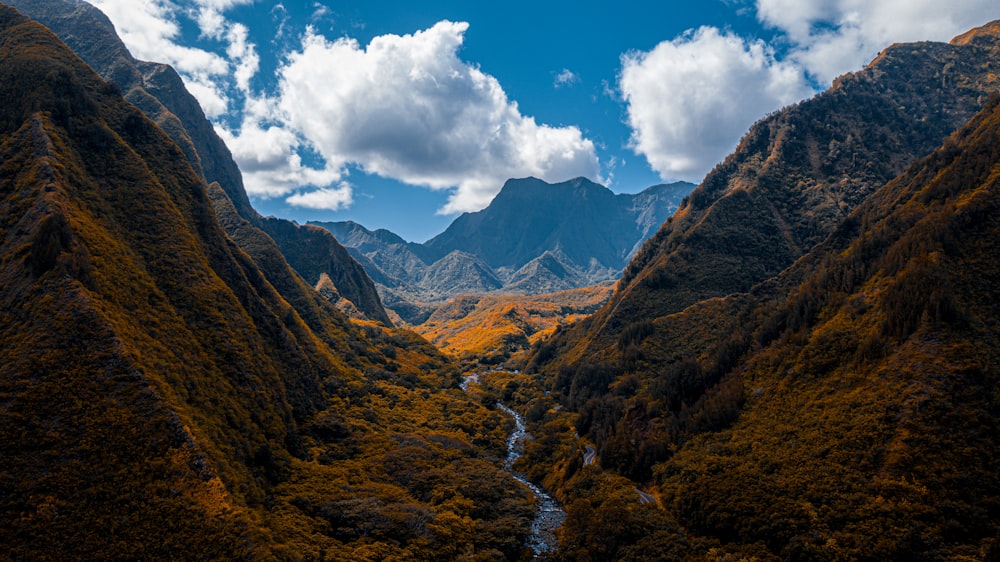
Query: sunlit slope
{"points": [[871, 422], [845, 409], [496, 326]]}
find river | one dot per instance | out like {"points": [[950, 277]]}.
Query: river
{"points": [[549, 515]]}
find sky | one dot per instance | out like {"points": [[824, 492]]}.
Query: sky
{"points": [[401, 115]]}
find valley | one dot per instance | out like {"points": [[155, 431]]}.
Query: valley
{"points": [[793, 360]]}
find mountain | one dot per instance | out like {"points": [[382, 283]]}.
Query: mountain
{"points": [[794, 176], [533, 238], [592, 228], [857, 417], [160, 395], [843, 407], [160, 93]]}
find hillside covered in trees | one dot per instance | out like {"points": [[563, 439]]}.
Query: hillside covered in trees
{"points": [[843, 408], [162, 398]]}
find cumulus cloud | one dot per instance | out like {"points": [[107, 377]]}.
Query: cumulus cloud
{"points": [[403, 107], [831, 37], [327, 198], [268, 156], [406, 107], [689, 100]]}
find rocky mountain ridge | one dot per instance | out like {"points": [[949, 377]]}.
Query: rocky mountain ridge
{"points": [[794, 176], [165, 395], [533, 238], [842, 406]]}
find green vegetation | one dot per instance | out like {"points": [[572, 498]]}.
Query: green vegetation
{"points": [[845, 410], [162, 397]]}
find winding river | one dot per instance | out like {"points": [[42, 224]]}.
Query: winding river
{"points": [[549, 515]]}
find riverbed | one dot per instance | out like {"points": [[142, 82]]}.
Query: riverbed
{"points": [[549, 515]]}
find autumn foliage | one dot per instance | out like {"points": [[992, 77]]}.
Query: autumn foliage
{"points": [[162, 397]]}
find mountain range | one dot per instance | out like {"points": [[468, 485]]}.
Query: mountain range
{"points": [[794, 177], [800, 364], [533, 238]]}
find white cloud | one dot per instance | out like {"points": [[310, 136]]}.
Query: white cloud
{"points": [[566, 78], [831, 37], [327, 198], [689, 100], [268, 156], [214, 102], [320, 11], [244, 56], [150, 31], [210, 18], [406, 107]]}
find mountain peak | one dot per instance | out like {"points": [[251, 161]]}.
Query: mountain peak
{"points": [[529, 216]]}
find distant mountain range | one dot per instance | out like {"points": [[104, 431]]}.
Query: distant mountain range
{"points": [[533, 238]]}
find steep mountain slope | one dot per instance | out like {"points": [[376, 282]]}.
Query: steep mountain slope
{"points": [[846, 408], [160, 399], [399, 262], [880, 367], [160, 93], [793, 178], [131, 326], [872, 406]]}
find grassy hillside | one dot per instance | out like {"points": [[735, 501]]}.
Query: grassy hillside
{"points": [[162, 398], [845, 410]]}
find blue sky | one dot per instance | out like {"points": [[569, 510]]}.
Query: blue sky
{"points": [[400, 115]]}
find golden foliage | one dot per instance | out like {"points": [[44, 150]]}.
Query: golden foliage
{"points": [[494, 327], [162, 397]]}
